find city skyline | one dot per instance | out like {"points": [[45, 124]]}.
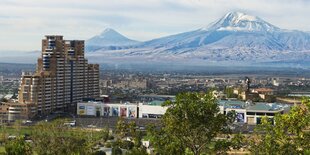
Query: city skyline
{"points": [[25, 22]]}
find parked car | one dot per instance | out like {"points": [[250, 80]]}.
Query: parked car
{"points": [[11, 137], [71, 124], [27, 121]]}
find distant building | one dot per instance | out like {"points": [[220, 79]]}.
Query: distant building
{"points": [[3, 113], [18, 111], [255, 94], [263, 93], [275, 82], [62, 78], [137, 84], [266, 91]]}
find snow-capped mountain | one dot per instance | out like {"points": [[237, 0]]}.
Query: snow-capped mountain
{"points": [[234, 37], [238, 21], [108, 39]]}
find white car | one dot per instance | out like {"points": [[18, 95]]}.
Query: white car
{"points": [[11, 137], [91, 126], [72, 123], [27, 121]]}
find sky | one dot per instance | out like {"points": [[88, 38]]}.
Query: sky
{"points": [[23, 23]]}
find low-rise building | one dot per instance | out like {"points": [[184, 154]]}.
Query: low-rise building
{"points": [[130, 110], [252, 113], [248, 113], [266, 91], [15, 111], [3, 113], [107, 109]]}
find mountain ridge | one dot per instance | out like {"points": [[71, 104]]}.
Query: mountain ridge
{"points": [[234, 37]]}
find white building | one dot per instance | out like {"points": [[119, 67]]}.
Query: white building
{"points": [[129, 110], [245, 112]]}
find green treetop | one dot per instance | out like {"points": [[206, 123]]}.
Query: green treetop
{"points": [[191, 123]]}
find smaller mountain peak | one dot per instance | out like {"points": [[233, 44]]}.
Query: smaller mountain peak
{"points": [[110, 37], [108, 31]]}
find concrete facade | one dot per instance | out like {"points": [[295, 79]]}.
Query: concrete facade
{"points": [[62, 78]]}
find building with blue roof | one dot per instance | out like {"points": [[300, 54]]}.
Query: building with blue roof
{"points": [[252, 113]]}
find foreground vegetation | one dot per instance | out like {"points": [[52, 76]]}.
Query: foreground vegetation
{"points": [[192, 125], [50, 138], [289, 135], [55, 138]]}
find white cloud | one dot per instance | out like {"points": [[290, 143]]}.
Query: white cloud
{"points": [[24, 23]]}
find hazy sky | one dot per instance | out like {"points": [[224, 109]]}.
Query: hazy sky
{"points": [[23, 23]]}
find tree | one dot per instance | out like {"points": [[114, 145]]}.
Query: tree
{"points": [[127, 145], [117, 151], [222, 146], [137, 151], [164, 143], [134, 144], [121, 129], [289, 135], [135, 135], [54, 138], [238, 141], [192, 121], [4, 100], [229, 91], [99, 153], [18, 146]]}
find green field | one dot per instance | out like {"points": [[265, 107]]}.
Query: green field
{"points": [[16, 131], [6, 131], [2, 150]]}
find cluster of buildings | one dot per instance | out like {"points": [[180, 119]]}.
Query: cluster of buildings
{"points": [[7, 87], [128, 83], [65, 81], [62, 78], [247, 112], [255, 94]]}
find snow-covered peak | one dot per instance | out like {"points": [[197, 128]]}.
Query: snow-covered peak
{"points": [[238, 21], [237, 16], [108, 32]]}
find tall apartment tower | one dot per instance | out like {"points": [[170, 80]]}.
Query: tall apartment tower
{"points": [[62, 77]]}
